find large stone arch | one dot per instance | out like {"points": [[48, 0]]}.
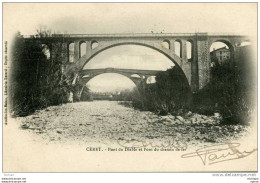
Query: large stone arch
{"points": [[172, 56], [104, 45], [230, 43]]}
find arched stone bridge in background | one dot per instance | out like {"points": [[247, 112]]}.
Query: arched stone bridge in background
{"points": [[196, 70], [136, 75]]}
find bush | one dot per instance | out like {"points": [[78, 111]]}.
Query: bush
{"points": [[169, 94], [229, 93], [86, 95]]}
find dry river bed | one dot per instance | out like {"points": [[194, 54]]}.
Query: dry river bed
{"points": [[108, 122]]}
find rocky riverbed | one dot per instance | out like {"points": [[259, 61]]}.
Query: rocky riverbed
{"points": [[107, 122]]}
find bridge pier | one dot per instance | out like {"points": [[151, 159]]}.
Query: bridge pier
{"points": [[183, 51], [76, 50], [140, 83], [203, 59], [194, 68]]}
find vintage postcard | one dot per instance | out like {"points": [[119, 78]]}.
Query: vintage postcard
{"points": [[130, 87]]}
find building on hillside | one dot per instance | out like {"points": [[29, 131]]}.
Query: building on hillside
{"points": [[220, 55]]}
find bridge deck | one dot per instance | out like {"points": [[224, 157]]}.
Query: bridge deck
{"points": [[138, 35]]}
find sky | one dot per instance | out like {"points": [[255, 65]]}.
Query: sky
{"points": [[96, 18], [106, 83], [102, 18]]}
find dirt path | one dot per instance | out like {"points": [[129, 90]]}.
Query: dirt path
{"points": [[108, 122]]}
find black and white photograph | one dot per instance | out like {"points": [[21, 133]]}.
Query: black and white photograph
{"points": [[130, 87]]}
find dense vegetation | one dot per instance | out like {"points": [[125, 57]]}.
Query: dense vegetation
{"points": [[170, 93], [35, 80], [231, 92]]}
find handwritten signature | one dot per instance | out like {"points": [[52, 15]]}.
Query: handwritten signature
{"points": [[171, 143], [219, 153]]}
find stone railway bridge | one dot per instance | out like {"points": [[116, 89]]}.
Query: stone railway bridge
{"points": [[137, 76], [196, 70]]}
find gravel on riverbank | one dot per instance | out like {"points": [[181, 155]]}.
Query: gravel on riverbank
{"points": [[108, 121]]}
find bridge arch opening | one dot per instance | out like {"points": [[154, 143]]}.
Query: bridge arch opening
{"points": [[103, 53], [82, 48], [71, 52], [135, 76], [221, 52], [177, 48], [102, 85], [86, 76], [189, 49], [129, 56], [166, 44], [94, 44]]}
